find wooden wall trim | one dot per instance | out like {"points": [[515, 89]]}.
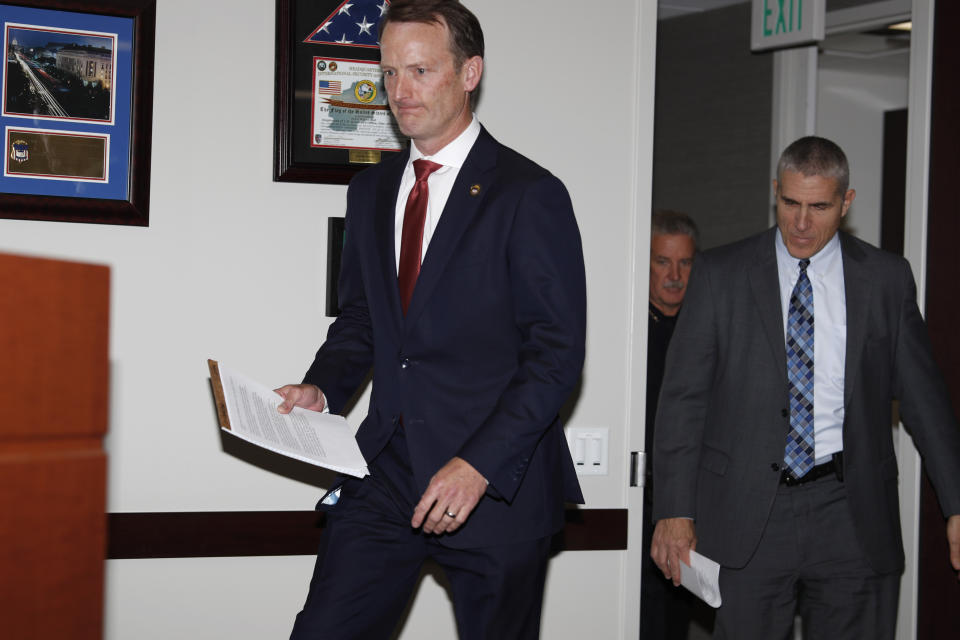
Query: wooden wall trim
{"points": [[206, 534]]}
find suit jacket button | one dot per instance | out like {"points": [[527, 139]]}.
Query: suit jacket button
{"points": [[775, 466], [784, 413], [404, 363]]}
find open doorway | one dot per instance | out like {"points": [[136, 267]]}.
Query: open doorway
{"points": [[711, 138]]}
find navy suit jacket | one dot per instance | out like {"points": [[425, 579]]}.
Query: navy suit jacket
{"points": [[722, 420], [491, 345]]}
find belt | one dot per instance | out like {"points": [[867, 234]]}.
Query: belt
{"points": [[834, 466]]}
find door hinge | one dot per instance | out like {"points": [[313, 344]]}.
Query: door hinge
{"points": [[638, 469]]}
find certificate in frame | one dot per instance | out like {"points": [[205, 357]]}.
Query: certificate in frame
{"points": [[331, 116], [77, 110]]}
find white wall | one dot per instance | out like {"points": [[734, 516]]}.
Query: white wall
{"points": [[851, 100], [232, 267]]}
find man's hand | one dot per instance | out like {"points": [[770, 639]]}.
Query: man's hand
{"points": [[953, 537], [455, 489], [307, 396], [673, 539]]}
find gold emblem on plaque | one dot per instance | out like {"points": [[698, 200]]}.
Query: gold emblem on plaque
{"points": [[365, 91], [364, 156]]}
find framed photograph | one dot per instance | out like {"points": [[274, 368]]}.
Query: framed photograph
{"points": [[332, 118], [77, 109]]}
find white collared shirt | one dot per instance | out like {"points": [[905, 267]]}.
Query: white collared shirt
{"points": [[829, 336], [440, 183]]}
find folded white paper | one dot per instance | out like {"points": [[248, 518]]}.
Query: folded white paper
{"points": [[702, 578], [323, 439]]}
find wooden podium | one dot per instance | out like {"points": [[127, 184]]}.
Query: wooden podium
{"points": [[53, 415]]}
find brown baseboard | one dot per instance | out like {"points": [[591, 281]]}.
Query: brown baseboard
{"points": [[206, 534]]}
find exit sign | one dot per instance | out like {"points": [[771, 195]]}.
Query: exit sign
{"points": [[777, 24]]}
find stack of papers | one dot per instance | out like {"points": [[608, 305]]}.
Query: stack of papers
{"points": [[248, 410]]}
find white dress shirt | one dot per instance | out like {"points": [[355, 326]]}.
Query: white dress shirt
{"points": [[440, 183], [829, 337]]}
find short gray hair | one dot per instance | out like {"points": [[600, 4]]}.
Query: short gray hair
{"points": [[672, 223], [815, 156]]}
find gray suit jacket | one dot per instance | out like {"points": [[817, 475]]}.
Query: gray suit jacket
{"points": [[723, 418]]}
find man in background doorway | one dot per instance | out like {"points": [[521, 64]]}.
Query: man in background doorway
{"points": [[664, 608]]}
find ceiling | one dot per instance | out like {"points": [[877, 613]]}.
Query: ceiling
{"points": [[675, 8], [860, 50]]}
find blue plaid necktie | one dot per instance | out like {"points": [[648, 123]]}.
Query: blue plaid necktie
{"points": [[799, 450]]}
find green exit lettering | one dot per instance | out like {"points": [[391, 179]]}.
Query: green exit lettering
{"points": [[789, 17]]}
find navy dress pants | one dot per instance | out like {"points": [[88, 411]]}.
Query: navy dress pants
{"points": [[370, 559]]}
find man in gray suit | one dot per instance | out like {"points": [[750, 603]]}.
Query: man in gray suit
{"points": [[774, 451]]}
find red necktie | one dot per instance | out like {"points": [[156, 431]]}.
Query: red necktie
{"points": [[411, 241]]}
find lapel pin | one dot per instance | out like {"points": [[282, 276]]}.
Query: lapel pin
{"points": [[475, 190]]}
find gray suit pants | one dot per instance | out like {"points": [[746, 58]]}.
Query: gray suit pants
{"points": [[808, 563]]}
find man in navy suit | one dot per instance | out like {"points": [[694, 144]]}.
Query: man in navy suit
{"points": [[462, 287]]}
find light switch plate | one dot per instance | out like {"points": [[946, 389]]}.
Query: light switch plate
{"points": [[589, 447]]}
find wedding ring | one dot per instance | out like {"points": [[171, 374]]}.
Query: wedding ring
{"points": [[451, 515]]}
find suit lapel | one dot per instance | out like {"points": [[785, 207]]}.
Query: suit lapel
{"points": [[385, 231], [461, 208], [857, 292], [765, 283]]}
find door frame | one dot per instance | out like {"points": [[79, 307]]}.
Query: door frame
{"points": [[636, 351]]}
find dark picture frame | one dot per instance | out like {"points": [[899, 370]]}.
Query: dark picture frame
{"points": [[134, 148], [336, 228], [295, 160]]}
